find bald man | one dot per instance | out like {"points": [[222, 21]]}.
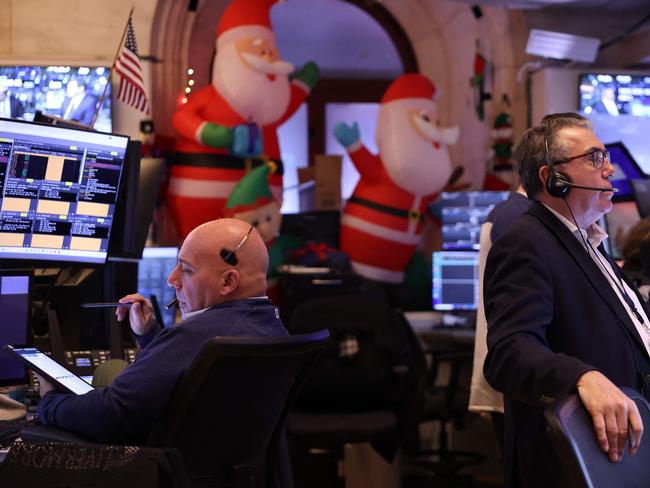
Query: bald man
{"points": [[220, 284]]}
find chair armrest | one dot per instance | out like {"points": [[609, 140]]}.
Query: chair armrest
{"points": [[47, 433]]}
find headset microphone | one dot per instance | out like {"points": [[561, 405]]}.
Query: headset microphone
{"points": [[595, 188], [558, 184]]}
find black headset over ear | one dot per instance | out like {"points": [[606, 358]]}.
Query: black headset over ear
{"points": [[230, 256], [557, 184]]}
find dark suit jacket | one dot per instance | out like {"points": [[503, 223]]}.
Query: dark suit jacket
{"points": [[552, 316], [84, 112]]}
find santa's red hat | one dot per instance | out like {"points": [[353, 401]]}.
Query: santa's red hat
{"points": [[245, 19], [411, 85]]}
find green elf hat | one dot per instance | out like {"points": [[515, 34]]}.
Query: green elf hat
{"points": [[252, 191]]}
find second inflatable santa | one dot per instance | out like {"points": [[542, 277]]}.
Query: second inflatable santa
{"points": [[382, 221]]}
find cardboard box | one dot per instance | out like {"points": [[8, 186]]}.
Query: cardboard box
{"points": [[320, 184]]}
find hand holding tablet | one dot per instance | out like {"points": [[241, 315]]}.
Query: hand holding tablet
{"points": [[51, 370]]}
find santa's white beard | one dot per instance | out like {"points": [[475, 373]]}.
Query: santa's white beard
{"points": [[411, 161], [249, 92]]}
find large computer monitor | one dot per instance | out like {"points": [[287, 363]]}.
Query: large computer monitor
{"points": [[463, 213], [16, 313], [58, 189], [455, 280]]}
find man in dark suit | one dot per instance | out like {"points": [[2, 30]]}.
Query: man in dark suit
{"points": [[219, 293], [10, 107], [562, 318], [78, 105]]}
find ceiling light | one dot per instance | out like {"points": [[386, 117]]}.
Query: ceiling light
{"points": [[558, 45]]}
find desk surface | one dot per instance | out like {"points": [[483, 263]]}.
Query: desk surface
{"points": [[429, 328]]}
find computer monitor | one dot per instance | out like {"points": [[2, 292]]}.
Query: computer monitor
{"points": [[455, 280], [315, 226], [619, 220], [134, 209], [463, 213], [641, 190], [153, 269], [16, 313], [626, 170], [49, 89], [58, 189]]}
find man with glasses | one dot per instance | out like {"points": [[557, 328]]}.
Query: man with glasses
{"points": [[220, 284], [562, 318]]}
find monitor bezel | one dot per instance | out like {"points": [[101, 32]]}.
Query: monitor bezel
{"points": [[26, 262]]}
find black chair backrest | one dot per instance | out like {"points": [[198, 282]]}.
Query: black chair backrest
{"points": [[584, 463], [355, 371], [229, 408]]}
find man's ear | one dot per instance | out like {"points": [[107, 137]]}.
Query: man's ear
{"points": [[544, 172], [230, 281]]}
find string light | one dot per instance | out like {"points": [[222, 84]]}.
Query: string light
{"points": [[189, 85]]}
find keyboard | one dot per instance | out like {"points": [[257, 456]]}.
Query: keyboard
{"points": [[10, 429]]}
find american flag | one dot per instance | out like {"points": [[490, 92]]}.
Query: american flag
{"points": [[131, 90]]}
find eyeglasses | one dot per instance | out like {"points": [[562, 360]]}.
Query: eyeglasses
{"points": [[229, 256], [596, 156]]}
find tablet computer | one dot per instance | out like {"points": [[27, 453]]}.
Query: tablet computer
{"points": [[50, 370]]}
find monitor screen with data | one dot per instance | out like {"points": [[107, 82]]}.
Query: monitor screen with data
{"points": [[455, 280], [463, 213], [58, 188]]}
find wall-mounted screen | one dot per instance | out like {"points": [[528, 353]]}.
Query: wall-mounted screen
{"points": [[70, 92], [615, 94], [58, 191]]}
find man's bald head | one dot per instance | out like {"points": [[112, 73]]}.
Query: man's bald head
{"points": [[203, 278]]}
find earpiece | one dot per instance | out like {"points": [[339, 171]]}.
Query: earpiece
{"points": [[557, 184], [230, 256]]}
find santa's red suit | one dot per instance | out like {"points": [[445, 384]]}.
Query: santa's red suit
{"points": [[230, 127], [202, 177], [382, 221]]}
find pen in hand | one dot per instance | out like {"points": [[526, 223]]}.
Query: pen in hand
{"points": [[171, 304], [106, 304]]}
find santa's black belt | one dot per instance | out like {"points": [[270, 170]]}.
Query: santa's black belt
{"points": [[224, 161], [380, 207]]}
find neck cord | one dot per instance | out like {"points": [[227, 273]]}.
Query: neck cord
{"points": [[617, 282]]}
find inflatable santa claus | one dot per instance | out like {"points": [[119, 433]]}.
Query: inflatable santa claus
{"points": [[230, 127], [382, 221]]}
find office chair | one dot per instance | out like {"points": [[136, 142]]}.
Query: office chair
{"points": [[45, 465], [444, 403], [584, 463], [356, 390], [227, 413]]}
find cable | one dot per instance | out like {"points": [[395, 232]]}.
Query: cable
{"points": [[627, 33]]}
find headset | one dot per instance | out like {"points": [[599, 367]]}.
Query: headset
{"points": [[229, 256], [559, 184]]}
